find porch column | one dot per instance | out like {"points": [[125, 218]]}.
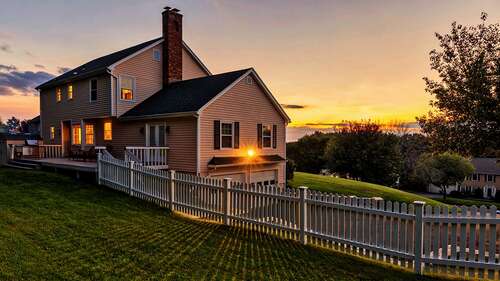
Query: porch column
{"points": [[82, 128]]}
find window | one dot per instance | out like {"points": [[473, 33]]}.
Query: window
{"points": [[157, 135], [267, 136], [108, 132], [156, 55], [475, 177], [93, 90], [58, 95], [77, 134], [52, 132], [70, 92], [89, 134], [490, 178], [127, 85], [249, 80], [226, 135]]}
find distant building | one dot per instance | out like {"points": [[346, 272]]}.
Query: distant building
{"points": [[486, 177]]}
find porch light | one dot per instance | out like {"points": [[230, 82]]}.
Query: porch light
{"points": [[250, 153]]}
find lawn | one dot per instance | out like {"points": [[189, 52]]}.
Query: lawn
{"points": [[53, 228], [357, 188], [469, 202]]}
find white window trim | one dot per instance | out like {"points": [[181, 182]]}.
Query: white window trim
{"points": [[90, 90], [146, 133], [134, 92], [93, 136], [271, 136], [157, 51], [232, 135]]}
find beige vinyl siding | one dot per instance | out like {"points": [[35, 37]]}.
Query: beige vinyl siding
{"points": [[148, 78], [181, 139], [249, 105], [190, 67], [52, 113]]}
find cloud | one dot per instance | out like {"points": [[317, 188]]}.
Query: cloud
{"points": [[14, 82], [29, 54], [7, 68], [6, 48], [294, 106], [40, 66], [62, 69]]}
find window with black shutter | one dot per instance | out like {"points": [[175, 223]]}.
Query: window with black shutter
{"points": [[236, 135], [275, 136], [216, 134], [259, 135]]}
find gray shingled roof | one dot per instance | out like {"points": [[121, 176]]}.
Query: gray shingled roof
{"points": [[184, 96], [95, 66], [489, 166]]}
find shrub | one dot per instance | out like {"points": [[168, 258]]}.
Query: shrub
{"points": [[478, 193], [290, 169]]}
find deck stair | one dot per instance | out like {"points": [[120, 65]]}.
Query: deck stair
{"points": [[23, 164]]}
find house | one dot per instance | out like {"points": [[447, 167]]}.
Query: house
{"points": [[156, 102], [485, 179]]}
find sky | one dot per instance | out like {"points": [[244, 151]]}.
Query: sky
{"points": [[325, 60]]}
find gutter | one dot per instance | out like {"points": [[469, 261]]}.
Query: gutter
{"points": [[159, 116]]}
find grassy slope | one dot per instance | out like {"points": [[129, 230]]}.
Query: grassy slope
{"points": [[52, 228], [350, 187], [469, 202]]}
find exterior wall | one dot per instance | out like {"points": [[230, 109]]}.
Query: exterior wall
{"points": [[249, 105], [52, 113], [190, 68], [148, 75], [181, 139]]}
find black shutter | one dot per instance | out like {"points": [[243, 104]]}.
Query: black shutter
{"points": [[259, 135], [275, 136], [216, 134], [236, 135]]}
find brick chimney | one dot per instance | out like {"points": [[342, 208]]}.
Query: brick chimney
{"points": [[172, 46]]}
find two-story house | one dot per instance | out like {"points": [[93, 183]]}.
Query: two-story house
{"points": [[159, 95]]}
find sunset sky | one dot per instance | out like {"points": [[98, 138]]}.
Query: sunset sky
{"points": [[334, 60]]}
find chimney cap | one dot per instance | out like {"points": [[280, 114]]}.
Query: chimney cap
{"points": [[175, 10], [167, 8]]}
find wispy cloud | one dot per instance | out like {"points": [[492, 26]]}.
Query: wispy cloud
{"points": [[294, 106], [40, 66], [14, 82], [5, 48], [29, 54], [62, 69]]}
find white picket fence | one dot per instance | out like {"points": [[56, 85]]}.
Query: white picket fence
{"points": [[461, 241]]}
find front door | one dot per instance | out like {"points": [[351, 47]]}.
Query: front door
{"points": [[66, 137]]}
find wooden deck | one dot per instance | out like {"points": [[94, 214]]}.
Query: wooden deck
{"points": [[67, 164]]}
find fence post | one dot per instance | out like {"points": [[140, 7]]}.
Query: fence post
{"points": [[419, 231], [303, 214], [99, 168], [171, 189], [226, 200], [131, 178]]}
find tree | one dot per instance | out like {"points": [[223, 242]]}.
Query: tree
{"points": [[443, 169], [362, 151], [466, 110], [307, 152], [411, 147], [290, 169], [13, 125]]}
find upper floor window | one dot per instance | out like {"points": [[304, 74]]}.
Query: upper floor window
{"points": [[70, 92], [108, 131], [89, 134], [475, 177], [93, 90], [127, 87], [156, 55], [491, 178], [226, 135], [58, 95], [77, 134], [52, 133], [267, 136]]}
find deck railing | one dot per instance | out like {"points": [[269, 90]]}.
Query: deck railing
{"points": [[51, 151], [462, 241], [152, 157]]}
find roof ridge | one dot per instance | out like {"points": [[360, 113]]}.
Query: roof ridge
{"points": [[213, 75]]}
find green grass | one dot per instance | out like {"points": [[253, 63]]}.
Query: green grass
{"points": [[357, 188], [52, 228], [469, 202]]}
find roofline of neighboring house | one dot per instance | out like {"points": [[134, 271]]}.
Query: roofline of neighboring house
{"points": [[263, 86], [163, 115]]}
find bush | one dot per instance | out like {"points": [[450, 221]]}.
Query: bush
{"points": [[290, 169], [478, 193], [456, 194], [497, 196]]}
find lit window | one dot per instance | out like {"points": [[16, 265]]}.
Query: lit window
{"points": [[70, 92], [126, 88], [89, 134], [156, 55], [93, 90], [267, 136], [58, 95], [52, 133], [77, 134], [226, 135], [108, 132]]}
